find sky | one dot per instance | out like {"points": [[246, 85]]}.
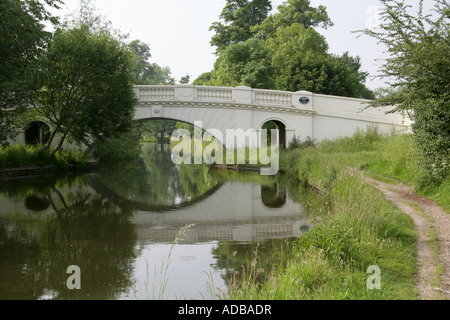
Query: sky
{"points": [[177, 31]]}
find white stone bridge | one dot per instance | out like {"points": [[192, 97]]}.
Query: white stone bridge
{"points": [[302, 114]]}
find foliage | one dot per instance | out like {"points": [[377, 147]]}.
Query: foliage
{"points": [[84, 86], [296, 143], [285, 52], [22, 40], [238, 16], [203, 79], [32, 156], [160, 129], [124, 147], [244, 64], [419, 47], [293, 12]]}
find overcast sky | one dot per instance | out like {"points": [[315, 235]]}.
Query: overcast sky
{"points": [[179, 37]]}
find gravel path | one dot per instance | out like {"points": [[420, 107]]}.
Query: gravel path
{"points": [[432, 217]]}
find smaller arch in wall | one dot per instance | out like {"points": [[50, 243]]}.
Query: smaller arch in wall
{"points": [[37, 133], [277, 125]]}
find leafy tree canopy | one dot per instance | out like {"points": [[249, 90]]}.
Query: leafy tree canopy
{"points": [[293, 12], [419, 64], [239, 16], [85, 86], [283, 51]]}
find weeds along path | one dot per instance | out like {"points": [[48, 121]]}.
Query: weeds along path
{"points": [[433, 226]]}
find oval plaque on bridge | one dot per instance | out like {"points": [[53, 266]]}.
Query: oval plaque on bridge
{"points": [[156, 111], [304, 100]]}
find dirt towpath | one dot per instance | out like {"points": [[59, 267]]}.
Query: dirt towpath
{"points": [[433, 226]]}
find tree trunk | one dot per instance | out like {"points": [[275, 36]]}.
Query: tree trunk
{"points": [[58, 147], [50, 140]]}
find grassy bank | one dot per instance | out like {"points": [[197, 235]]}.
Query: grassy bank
{"points": [[358, 228], [391, 159], [35, 156]]}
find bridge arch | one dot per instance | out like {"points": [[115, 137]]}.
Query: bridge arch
{"points": [[278, 124], [210, 131], [36, 133]]}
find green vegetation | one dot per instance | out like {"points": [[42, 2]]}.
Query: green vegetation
{"points": [[22, 41], [357, 229], [281, 51], [35, 156], [419, 47], [84, 87], [391, 158]]}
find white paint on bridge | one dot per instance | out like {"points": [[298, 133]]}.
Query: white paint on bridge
{"points": [[303, 114]]}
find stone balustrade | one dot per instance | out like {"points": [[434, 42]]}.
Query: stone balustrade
{"points": [[238, 95]]}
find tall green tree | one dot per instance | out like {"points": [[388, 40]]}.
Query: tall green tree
{"points": [[301, 61], [285, 52], [239, 16], [85, 90], [419, 69], [22, 40], [244, 64]]}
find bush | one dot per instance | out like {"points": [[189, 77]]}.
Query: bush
{"points": [[296, 143], [34, 156], [125, 147]]}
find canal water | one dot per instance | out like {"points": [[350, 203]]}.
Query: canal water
{"points": [[146, 229]]}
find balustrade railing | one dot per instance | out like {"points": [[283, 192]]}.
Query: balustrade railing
{"points": [[240, 95]]}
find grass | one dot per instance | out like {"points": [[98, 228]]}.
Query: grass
{"points": [[359, 228], [390, 159], [34, 156]]}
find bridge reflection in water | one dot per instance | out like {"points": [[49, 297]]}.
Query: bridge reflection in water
{"points": [[234, 212]]}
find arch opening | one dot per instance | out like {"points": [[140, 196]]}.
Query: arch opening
{"points": [[37, 133], [161, 129], [276, 125]]}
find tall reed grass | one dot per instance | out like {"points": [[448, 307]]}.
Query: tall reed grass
{"points": [[31, 156]]}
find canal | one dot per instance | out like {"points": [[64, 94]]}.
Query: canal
{"points": [[146, 229]]}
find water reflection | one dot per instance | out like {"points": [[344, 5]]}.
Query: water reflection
{"points": [[119, 225]]}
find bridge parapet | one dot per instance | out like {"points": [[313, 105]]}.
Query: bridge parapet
{"points": [[238, 95]]}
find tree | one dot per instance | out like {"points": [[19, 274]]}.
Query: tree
{"points": [[293, 12], [285, 52], [203, 79], [146, 73], [22, 40], [157, 128], [244, 64], [239, 17], [85, 86], [419, 64], [185, 79]]}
